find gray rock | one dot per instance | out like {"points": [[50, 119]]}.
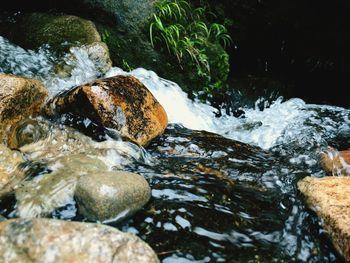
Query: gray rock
{"points": [[47, 240], [111, 195]]}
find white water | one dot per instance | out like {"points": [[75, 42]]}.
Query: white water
{"points": [[280, 123]]}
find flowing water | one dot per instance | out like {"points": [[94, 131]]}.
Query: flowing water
{"points": [[223, 189]]}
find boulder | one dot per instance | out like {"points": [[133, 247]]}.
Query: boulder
{"points": [[335, 162], [19, 98], [60, 32], [10, 175], [48, 240], [120, 102], [329, 197], [111, 195]]}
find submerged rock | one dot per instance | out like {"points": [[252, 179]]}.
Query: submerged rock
{"points": [[10, 175], [111, 195], [336, 162], [42, 195], [121, 102], [19, 98], [62, 156], [45, 240], [329, 197]]}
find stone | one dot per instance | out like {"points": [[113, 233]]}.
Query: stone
{"points": [[58, 159], [2, 218], [20, 98], [335, 162], [60, 32], [120, 102], [96, 52], [41, 196], [329, 197], [49, 240], [10, 174], [108, 196]]}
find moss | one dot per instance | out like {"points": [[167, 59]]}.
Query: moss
{"points": [[60, 32]]}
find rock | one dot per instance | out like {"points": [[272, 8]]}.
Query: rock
{"points": [[10, 174], [96, 52], [60, 32], [121, 102], [58, 159], [2, 218], [329, 197], [48, 240], [111, 195], [335, 162], [41, 196], [129, 14], [19, 98]]}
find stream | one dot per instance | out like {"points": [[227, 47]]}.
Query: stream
{"points": [[223, 188]]}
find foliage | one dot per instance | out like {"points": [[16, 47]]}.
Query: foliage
{"points": [[105, 36], [186, 33]]}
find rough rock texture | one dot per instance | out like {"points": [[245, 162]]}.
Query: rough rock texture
{"points": [[336, 162], [19, 98], [111, 195], [60, 32], [10, 175], [45, 240], [330, 198], [121, 102]]}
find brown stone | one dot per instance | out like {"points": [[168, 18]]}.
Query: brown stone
{"points": [[19, 98], [48, 240], [121, 102], [335, 162], [329, 197]]}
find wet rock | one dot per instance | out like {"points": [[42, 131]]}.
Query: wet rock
{"points": [[19, 98], [25, 132], [42, 195], [329, 197], [62, 156], [335, 162], [111, 195], [121, 102], [45, 240], [10, 174], [60, 32], [96, 52]]}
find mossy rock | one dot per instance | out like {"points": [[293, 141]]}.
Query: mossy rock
{"points": [[60, 32]]}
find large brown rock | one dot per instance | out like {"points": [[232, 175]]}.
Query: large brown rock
{"points": [[19, 98], [111, 195], [121, 102], [329, 197], [45, 240]]}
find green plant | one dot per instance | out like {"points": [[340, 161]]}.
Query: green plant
{"points": [[186, 33], [105, 36], [126, 66]]}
